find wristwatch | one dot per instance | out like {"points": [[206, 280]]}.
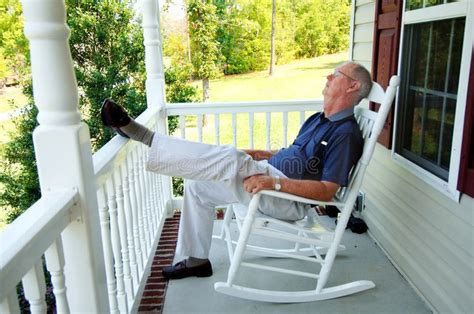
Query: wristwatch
{"points": [[277, 183]]}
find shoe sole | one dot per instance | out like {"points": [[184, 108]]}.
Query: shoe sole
{"points": [[104, 121]]}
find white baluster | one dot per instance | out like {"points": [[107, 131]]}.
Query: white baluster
{"points": [[159, 179], [55, 264], [129, 224], [63, 152], [147, 218], [285, 129], [182, 126], [143, 202], [139, 210], [10, 303], [122, 228], [35, 288], [116, 249], [217, 126], [268, 124], [149, 196], [134, 211], [234, 129], [156, 187], [155, 202], [251, 121], [302, 117], [108, 255], [199, 126]]}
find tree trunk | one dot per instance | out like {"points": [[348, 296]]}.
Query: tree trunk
{"points": [[205, 89], [205, 97], [272, 58]]}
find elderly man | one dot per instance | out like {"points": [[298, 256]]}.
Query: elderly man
{"points": [[318, 162]]}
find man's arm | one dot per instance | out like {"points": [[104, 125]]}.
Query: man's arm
{"points": [[317, 190], [259, 154]]}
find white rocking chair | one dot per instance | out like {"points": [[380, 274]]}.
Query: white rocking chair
{"points": [[310, 242]]}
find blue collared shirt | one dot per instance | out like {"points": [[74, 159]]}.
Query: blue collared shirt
{"points": [[325, 149]]}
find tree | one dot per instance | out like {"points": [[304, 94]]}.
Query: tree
{"points": [[13, 45], [240, 35], [107, 49], [205, 55], [272, 53]]}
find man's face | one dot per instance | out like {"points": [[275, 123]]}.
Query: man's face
{"points": [[338, 82]]}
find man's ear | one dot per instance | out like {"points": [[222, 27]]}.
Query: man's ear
{"points": [[354, 87]]}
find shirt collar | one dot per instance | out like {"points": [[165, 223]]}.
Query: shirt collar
{"points": [[342, 114]]}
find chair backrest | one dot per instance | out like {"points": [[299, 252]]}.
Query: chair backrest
{"points": [[371, 124]]}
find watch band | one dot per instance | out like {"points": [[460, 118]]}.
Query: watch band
{"points": [[277, 183]]}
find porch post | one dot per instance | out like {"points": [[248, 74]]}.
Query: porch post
{"points": [[155, 78], [63, 151]]}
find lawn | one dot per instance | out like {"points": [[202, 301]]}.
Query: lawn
{"points": [[301, 79]]}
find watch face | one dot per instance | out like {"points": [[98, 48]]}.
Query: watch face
{"points": [[277, 187]]}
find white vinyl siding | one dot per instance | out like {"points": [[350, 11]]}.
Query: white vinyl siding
{"points": [[428, 236], [363, 32]]}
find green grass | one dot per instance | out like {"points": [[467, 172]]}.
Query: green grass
{"points": [[301, 79]]}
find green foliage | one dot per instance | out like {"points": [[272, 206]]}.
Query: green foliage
{"points": [[107, 49], [203, 24], [323, 27], [13, 45], [174, 46], [18, 173], [178, 90], [304, 28], [238, 35]]}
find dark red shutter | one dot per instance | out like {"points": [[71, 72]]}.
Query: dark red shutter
{"points": [[385, 53], [466, 170]]}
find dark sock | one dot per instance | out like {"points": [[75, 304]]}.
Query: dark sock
{"points": [[138, 132]]}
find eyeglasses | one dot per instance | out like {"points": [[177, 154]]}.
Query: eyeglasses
{"points": [[339, 72]]}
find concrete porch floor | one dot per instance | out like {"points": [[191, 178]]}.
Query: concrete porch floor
{"points": [[362, 260]]}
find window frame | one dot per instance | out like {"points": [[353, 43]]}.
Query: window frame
{"points": [[465, 9]]}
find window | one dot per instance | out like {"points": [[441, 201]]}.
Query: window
{"points": [[432, 96]]}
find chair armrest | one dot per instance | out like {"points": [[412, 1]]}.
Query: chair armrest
{"points": [[296, 198]]}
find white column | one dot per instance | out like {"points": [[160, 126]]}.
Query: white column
{"points": [[155, 91], [155, 77], [63, 151]]}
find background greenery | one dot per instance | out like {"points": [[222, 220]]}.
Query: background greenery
{"points": [[107, 49]]}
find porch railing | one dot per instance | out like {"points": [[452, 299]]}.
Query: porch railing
{"points": [[100, 217], [248, 120], [132, 206], [132, 209]]}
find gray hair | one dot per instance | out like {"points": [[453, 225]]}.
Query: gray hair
{"points": [[360, 73]]}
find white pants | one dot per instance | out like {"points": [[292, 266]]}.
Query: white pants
{"points": [[214, 177]]}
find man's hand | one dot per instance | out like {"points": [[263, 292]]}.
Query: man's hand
{"points": [[257, 183], [316, 190], [259, 154]]}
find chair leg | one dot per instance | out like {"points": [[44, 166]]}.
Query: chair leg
{"points": [[331, 254], [243, 238]]}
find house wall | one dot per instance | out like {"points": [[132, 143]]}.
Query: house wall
{"points": [[428, 236]]}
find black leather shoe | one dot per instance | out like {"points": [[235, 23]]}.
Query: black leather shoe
{"points": [[114, 116], [180, 270]]}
